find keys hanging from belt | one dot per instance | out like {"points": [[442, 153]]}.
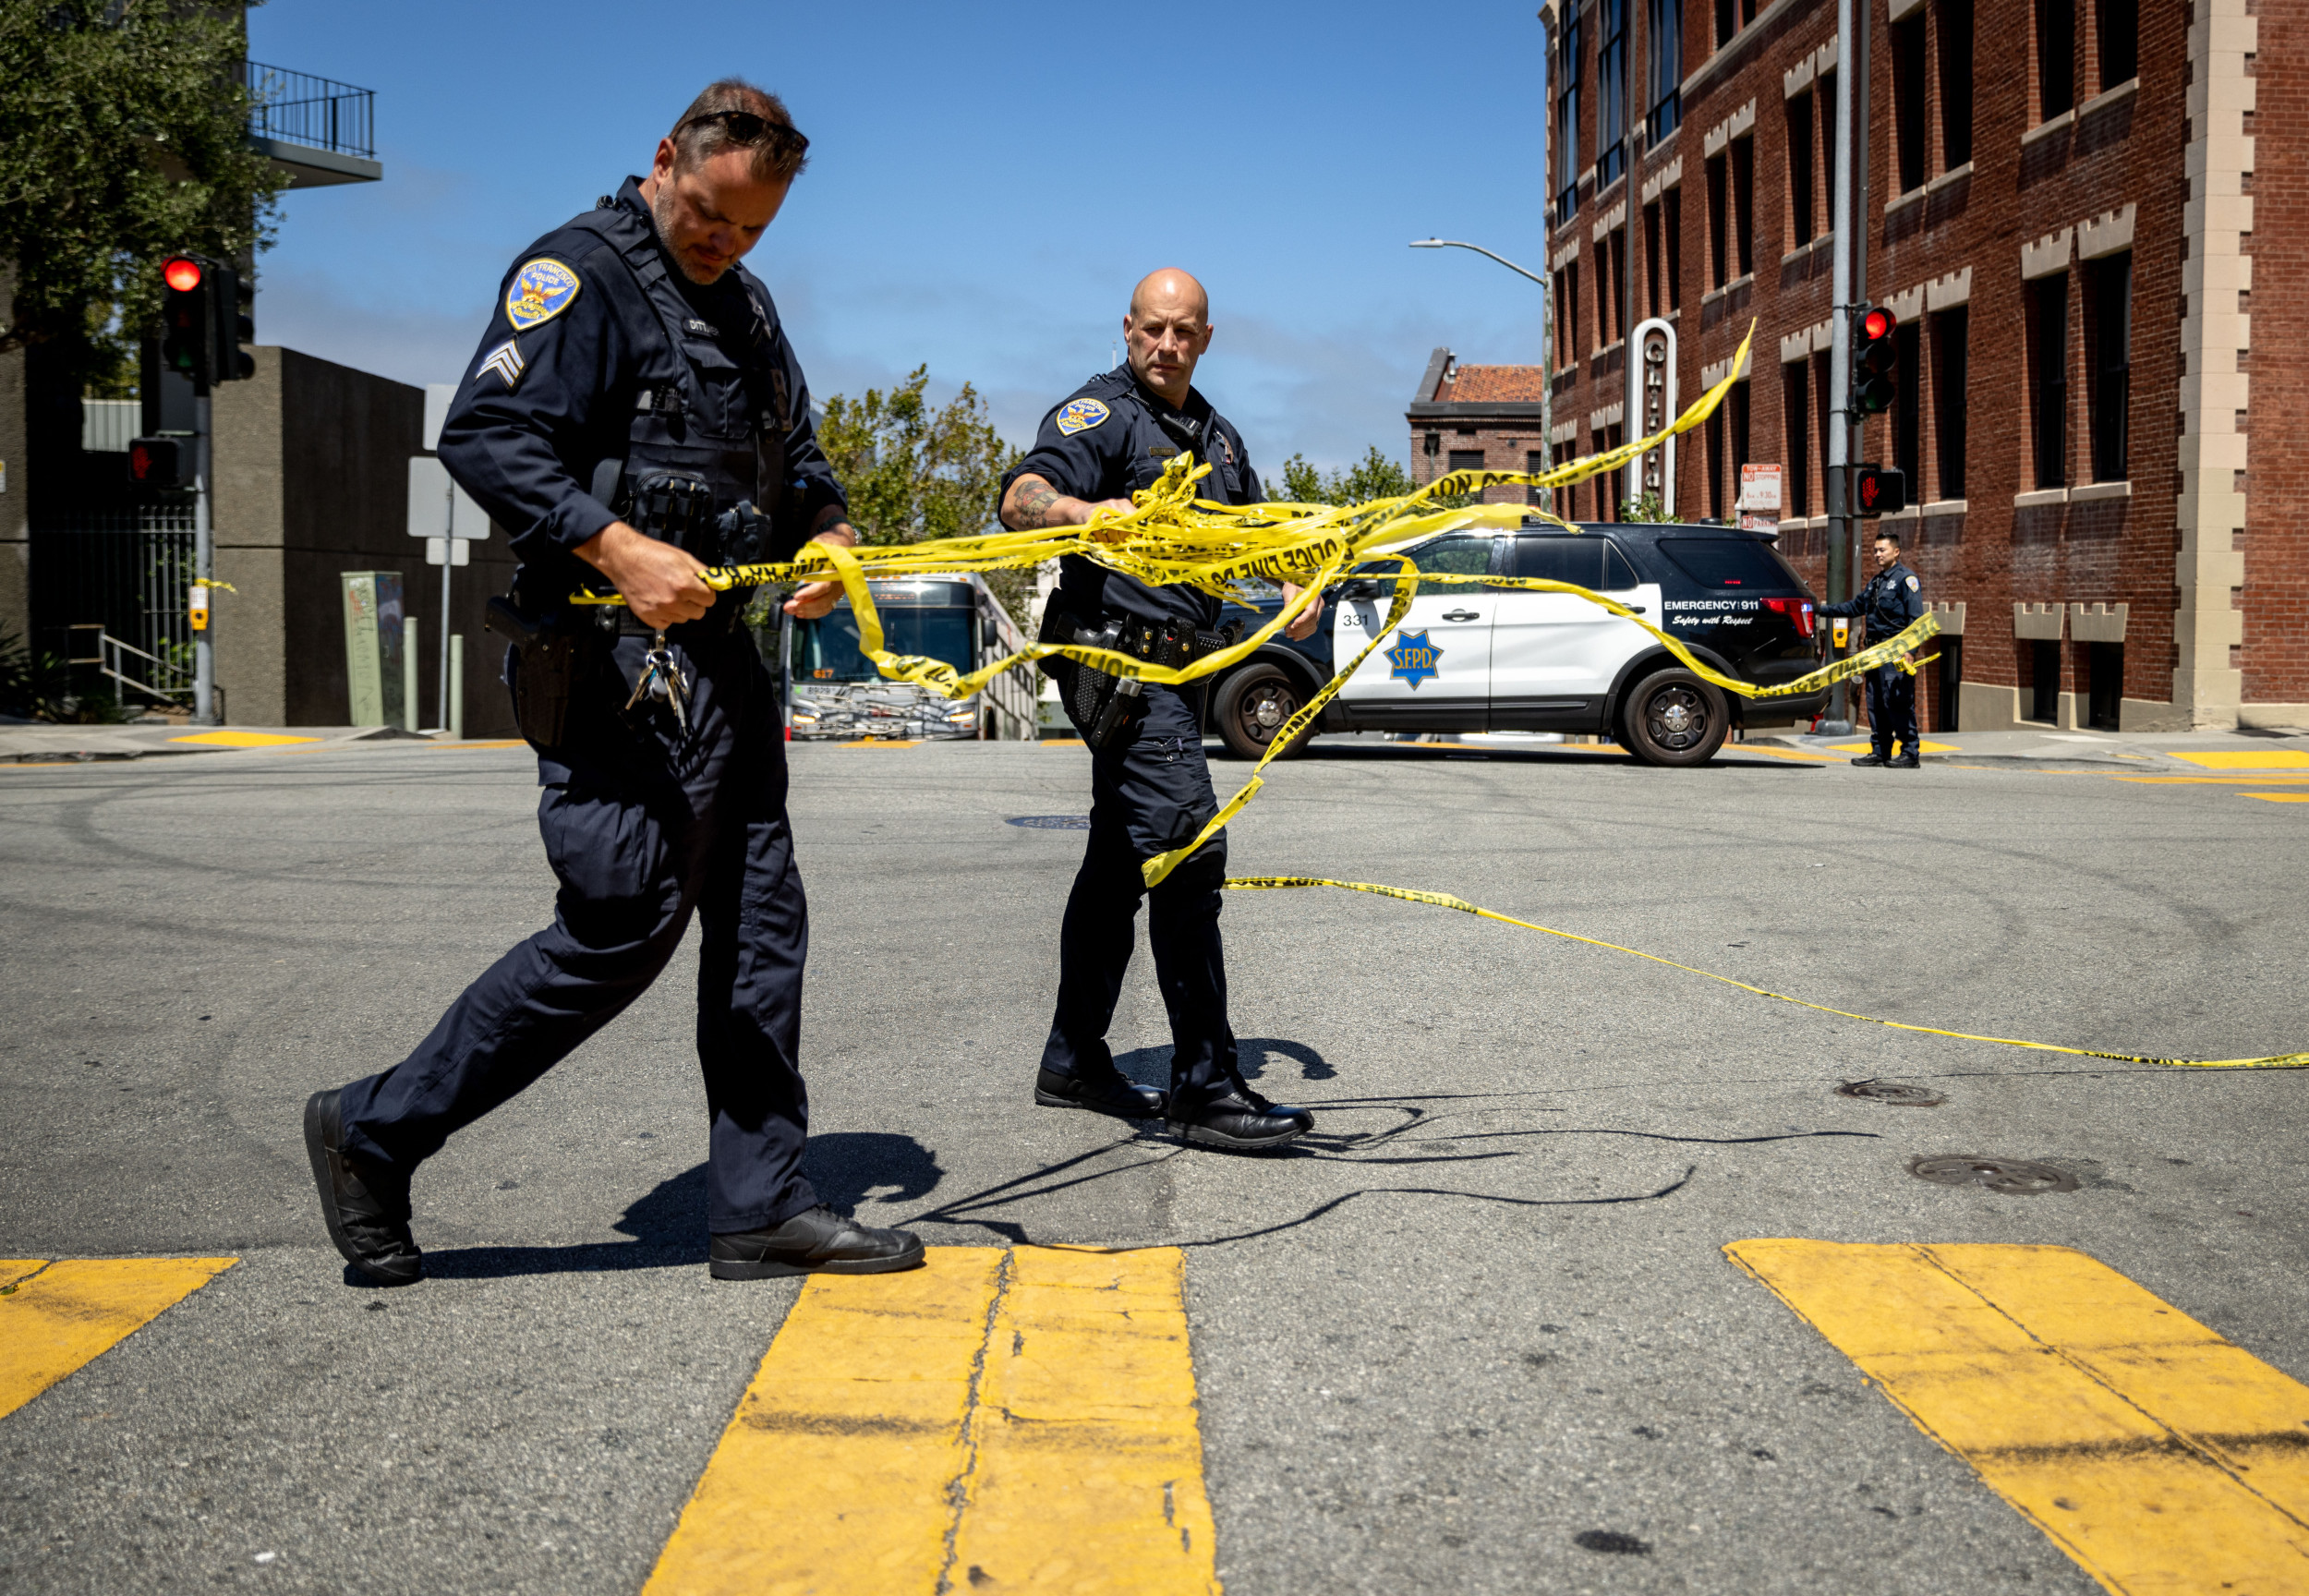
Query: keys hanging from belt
{"points": [[661, 679]]}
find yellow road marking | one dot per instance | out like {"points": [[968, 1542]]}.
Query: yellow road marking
{"points": [[2153, 1452], [882, 743], [242, 739], [1062, 741], [1923, 744], [1776, 753], [2207, 780], [2278, 797], [471, 747], [2250, 759], [55, 1319], [1020, 1420]]}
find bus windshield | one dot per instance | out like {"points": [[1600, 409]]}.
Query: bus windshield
{"points": [[826, 650]]}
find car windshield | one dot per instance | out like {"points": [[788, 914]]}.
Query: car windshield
{"points": [[1456, 556], [825, 649], [1731, 563]]}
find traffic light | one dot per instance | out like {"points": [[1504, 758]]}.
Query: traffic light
{"points": [[1875, 349], [1877, 491], [187, 320], [232, 363], [161, 462]]}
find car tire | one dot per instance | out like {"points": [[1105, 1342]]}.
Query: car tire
{"points": [[1252, 705], [1673, 718]]}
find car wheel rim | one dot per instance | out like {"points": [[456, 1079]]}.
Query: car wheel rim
{"points": [[1264, 709], [1676, 718]]}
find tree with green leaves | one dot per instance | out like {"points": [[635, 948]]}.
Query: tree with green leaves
{"points": [[915, 472], [126, 124], [1373, 476]]}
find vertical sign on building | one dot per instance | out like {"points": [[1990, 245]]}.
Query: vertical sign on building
{"points": [[1650, 407]]}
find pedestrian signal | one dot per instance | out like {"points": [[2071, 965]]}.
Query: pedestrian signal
{"points": [[1875, 350], [160, 462], [1877, 491]]}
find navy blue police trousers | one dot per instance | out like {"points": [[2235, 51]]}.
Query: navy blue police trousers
{"points": [[1892, 711], [1150, 792], [645, 828]]}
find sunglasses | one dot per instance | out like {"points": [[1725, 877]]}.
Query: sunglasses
{"points": [[747, 128]]}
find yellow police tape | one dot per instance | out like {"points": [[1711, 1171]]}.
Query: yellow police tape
{"points": [[1174, 537], [1445, 901]]}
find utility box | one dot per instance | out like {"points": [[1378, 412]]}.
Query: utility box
{"points": [[373, 613]]}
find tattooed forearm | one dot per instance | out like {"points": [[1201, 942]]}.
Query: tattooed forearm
{"points": [[1031, 499]]}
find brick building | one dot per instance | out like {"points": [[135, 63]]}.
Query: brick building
{"points": [[1480, 418], [2059, 207]]}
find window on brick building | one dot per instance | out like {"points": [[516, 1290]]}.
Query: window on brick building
{"points": [[1825, 92], [1735, 408], [1719, 243], [2056, 57], [1908, 108], [1567, 316], [1609, 485], [2048, 379], [1822, 419], [1671, 244], [1743, 204], [1466, 460], [2109, 299], [1610, 94], [1801, 180], [2119, 41], [1712, 432], [1534, 465], [1652, 258], [1727, 21], [1664, 49], [1611, 295], [1908, 406], [1951, 329], [1795, 414], [1567, 118], [1566, 498], [1954, 20]]}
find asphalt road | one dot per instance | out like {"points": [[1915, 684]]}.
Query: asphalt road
{"points": [[1482, 1313]]}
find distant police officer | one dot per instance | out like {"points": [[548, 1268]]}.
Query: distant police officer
{"points": [[1150, 788], [636, 413], [1889, 605]]}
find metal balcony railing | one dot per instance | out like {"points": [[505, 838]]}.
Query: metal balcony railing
{"points": [[319, 114]]}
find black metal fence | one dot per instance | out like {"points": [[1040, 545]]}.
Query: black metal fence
{"points": [[298, 108], [128, 571]]}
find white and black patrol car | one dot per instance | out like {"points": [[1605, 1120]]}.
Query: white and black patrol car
{"points": [[1471, 658]]}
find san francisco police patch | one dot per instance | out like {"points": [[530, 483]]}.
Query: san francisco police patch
{"points": [[1413, 658], [1081, 416], [541, 290]]}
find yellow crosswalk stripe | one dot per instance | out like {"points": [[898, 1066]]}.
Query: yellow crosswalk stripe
{"points": [[2250, 759], [55, 1317], [2278, 797], [1018, 1419], [2151, 1451]]}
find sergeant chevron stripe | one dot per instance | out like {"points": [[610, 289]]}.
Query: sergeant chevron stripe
{"points": [[506, 361]]}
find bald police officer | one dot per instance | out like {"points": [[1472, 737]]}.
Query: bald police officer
{"points": [[1889, 605], [636, 413], [1150, 788]]}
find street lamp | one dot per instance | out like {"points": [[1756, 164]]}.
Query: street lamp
{"points": [[1547, 345]]}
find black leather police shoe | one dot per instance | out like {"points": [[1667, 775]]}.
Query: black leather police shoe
{"points": [[366, 1208], [820, 1241], [1121, 1098], [1242, 1120], [1905, 762], [1870, 759]]}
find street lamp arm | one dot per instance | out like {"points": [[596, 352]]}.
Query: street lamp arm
{"points": [[1457, 244]]}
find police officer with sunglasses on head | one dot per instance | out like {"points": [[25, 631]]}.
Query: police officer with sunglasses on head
{"points": [[634, 416]]}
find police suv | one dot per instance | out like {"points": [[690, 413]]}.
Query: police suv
{"points": [[1471, 657]]}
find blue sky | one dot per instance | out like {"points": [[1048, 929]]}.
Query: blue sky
{"points": [[986, 182]]}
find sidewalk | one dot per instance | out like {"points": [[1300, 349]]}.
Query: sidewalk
{"points": [[37, 742], [2174, 751]]}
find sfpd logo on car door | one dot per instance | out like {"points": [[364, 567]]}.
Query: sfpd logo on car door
{"points": [[1413, 658]]}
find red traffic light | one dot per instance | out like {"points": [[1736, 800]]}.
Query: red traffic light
{"points": [[1878, 323], [181, 274]]}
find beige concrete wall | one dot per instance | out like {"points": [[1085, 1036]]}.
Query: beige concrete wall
{"points": [[312, 481]]}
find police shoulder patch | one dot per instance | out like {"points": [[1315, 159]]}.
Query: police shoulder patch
{"points": [[1081, 416], [1912, 584], [540, 291]]}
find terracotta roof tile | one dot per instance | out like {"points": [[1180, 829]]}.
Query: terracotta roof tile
{"points": [[1495, 386]]}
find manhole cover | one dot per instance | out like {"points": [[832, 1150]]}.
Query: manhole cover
{"points": [[2012, 1177], [1897, 1091], [1052, 822]]}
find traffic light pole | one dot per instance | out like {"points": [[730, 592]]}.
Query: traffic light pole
{"points": [[203, 569], [1848, 244]]}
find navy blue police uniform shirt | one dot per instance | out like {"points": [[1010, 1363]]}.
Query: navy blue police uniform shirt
{"points": [[1103, 442], [548, 399], [1890, 603]]}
